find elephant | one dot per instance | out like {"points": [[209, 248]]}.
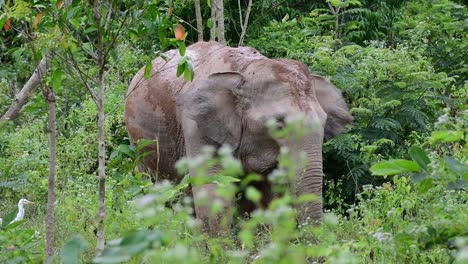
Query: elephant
{"points": [[234, 92]]}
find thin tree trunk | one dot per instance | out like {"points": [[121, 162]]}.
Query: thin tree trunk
{"points": [[101, 133], [199, 20], [101, 169], [336, 14], [220, 16], [31, 85], [246, 21], [50, 98], [213, 21]]}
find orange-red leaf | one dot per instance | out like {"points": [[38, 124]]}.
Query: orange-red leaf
{"points": [[7, 25], [59, 4], [179, 31], [38, 18]]}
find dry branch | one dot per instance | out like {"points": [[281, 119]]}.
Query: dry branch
{"points": [[31, 85]]}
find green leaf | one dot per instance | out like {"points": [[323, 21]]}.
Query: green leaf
{"points": [[89, 30], [142, 143], [57, 78], [188, 72], [446, 136], [224, 180], [182, 48], [182, 60], [307, 198], [209, 23], [148, 68], [418, 155], [3, 19], [457, 167], [253, 194], [14, 224], [162, 36], [251, 178], [9, 217], [247, 238], [180, 69], [425, 185], [395, 166], [72, 12], [17, 53], [72, 250]]}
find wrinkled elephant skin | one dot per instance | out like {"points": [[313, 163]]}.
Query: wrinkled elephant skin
{"points": [[234, 92]]}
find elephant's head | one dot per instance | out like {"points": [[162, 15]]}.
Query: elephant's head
{"points": [[233, 108]]}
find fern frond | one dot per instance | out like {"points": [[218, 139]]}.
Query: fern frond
{"points": [[387, 124]]}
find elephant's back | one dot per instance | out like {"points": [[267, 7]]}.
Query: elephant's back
{"points": [[151, 109]]}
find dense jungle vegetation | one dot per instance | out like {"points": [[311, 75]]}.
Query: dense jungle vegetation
{"points": [[395, 180]]}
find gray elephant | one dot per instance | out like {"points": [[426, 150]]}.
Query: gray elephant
{"points": [[234, 92]]}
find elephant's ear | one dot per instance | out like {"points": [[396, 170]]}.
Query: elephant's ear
{"points": [[333, 104], [213, 106]]}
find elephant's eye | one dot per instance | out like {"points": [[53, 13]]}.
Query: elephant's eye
{"points": [[280, 122]]}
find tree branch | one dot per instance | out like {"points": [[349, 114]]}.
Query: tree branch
{"points": [[213, 20], [22, 97], [246, 21]]}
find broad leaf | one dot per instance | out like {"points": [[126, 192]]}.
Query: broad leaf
{"points": [[73, 249], [188, 72], [446, 136], [418, 155], [392, 167], [180, 69], [425, 185], [457, 167], [57, 78]]}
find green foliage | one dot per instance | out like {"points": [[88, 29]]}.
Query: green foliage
{"points": [[423, 212], [19, 244], [439, 28]]}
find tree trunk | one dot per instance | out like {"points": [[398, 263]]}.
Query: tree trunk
{"points": [[199, 20], [50, 98], [101, 133], [220, 18], [101, 168], [213, 21], [22, 97]]}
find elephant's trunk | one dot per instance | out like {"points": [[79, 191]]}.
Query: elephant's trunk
{"points": [[309, 178]]}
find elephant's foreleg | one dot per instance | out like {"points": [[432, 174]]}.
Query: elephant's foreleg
{"points": [[213, 209]]}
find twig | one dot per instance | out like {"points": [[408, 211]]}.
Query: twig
{"points": [[246, 21]]}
